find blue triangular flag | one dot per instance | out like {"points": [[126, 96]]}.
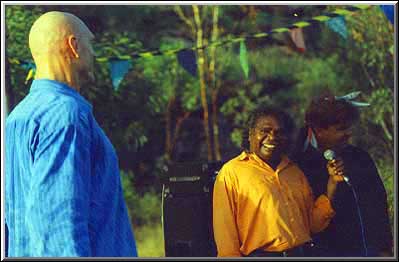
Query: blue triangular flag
{"points": [[188, 61], [27, 65], [359, 104], [338, 25], [244, 58], [118, 69], [388, 11], [349, 96]]}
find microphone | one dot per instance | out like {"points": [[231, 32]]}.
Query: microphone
{"points": [[330, 155]]}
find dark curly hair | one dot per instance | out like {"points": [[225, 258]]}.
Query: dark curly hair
{"points": [[325, 110]]}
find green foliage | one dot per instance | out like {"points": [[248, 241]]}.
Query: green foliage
{"points": [[19, 19], [373, 37], [149, 240], [244, 58], [143, 208], [169, 80], [277, 64], [116, 44], [145, 213], [237, 136], [386, 171], [382, 109], [372, 61]]}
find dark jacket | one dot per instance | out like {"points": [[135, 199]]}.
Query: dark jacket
{"points": [[343, 237]]}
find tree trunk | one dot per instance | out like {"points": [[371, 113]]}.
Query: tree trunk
{"points": [[201, 70], [179, 123], [215, 125], [168, 130], [213, 81]]}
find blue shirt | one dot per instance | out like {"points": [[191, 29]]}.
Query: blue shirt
{"points": [[63, 188]]}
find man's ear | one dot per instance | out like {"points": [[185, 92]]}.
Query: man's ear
{"points": [[73, 45], [250, 132]]}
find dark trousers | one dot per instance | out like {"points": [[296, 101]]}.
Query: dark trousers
{"points": [[304, 250]]}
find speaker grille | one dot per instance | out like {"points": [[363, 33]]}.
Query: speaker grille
{"points": [[187, 210]]}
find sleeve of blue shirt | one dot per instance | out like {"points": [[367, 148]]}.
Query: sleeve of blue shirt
{"points": [[58, 200]]}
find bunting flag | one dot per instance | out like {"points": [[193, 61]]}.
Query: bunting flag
{"points": [[244, 58], [389, 12], [31, 67], [338, 25], [119, 66], [30, 75], [188, 61], [297, 37], [349, 10], [27, 65], [350, 99], [118, 69]]}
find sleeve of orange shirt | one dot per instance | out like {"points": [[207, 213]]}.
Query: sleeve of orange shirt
{"points": [[321, 211], [224, 216]]}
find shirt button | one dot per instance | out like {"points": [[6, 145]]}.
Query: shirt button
{"points": [[292, 220]]}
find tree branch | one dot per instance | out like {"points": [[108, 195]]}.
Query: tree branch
{"points": [[368, 76], [180, 13]]}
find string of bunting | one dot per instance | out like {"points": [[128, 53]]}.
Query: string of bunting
{"points": [[314, 20], [119, 66]]}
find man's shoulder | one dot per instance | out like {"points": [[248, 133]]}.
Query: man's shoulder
{"points": [[237, 160], [58, 97], [50, 111], [233, 164]]}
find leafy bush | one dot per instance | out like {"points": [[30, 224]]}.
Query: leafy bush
{"points": [[149, 240], [386, 171], [144, 209]]}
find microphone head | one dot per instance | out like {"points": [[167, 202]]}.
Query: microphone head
{"points": [[329, 154]]}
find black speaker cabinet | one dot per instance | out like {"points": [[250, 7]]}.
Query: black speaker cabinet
{"points": [[187, 209]]}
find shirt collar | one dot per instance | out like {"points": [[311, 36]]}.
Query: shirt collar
{"points": [[52, 85], [285, 161], [243, 156]]}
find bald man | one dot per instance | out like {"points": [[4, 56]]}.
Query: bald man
{"points": [[63, 190]]}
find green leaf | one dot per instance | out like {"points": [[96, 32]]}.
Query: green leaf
{"points": [[244, 58]]}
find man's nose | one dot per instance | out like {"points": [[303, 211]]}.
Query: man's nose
{"points": [[274, 134]]}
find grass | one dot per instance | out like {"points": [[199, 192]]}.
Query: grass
{"points": [[149, 240]]}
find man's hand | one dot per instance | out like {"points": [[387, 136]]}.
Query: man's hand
{"points": [[335, 169]]}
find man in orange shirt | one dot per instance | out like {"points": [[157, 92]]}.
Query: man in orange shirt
{"points": [[262, 202]]}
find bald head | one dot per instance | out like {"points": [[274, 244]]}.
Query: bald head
{"points": [[50, 32], [61, 46]]}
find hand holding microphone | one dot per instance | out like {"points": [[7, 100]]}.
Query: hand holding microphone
{"points": [[335, 168]]}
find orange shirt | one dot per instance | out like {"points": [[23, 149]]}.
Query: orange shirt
{"points": [[256, 207]]}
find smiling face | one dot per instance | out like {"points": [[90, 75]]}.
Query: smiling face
{"points": [[268, 139]]}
